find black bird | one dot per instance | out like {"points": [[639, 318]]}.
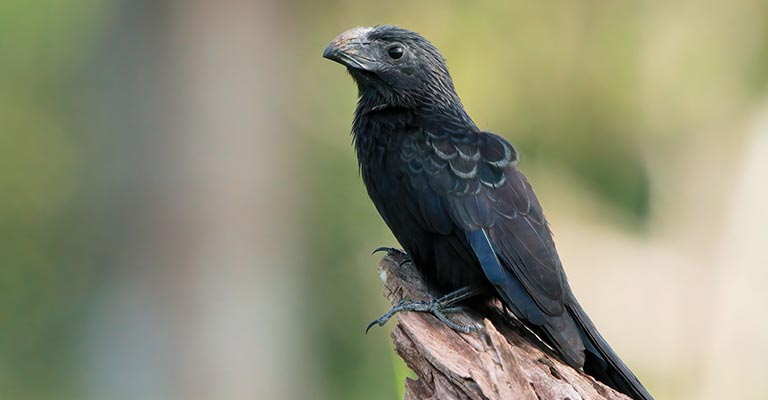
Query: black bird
{"points": [[455, 200]]}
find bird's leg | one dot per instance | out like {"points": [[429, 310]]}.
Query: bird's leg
{"points": [[437, 307], [390, 250]]}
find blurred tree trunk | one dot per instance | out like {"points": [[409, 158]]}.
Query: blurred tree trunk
{"points": [[739, 326], [199, 218]]}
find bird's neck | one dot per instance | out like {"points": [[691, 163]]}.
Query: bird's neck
{"points": [[443, 111], [379, 127]]}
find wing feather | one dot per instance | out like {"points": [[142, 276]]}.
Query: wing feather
{"points": [[473, 181]]}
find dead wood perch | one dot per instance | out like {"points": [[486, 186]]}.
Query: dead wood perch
{"points": [[497, 362]]}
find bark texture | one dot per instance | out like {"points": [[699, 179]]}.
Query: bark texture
{"points": [[502, 360]]}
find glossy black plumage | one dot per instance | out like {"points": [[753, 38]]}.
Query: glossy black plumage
{"points": [[454, 198]]}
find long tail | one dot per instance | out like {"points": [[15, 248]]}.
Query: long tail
{"points": [[601, 361]]}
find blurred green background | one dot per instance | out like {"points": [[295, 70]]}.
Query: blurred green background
{"points": [[181, 214]]}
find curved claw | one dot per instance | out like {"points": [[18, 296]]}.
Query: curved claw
{"points": [[370, 325], [383, 248], [402, 305]]}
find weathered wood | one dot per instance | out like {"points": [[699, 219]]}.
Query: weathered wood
{"points": [[499, 361]]}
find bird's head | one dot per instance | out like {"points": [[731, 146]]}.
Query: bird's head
{"points": [[394, 67]]}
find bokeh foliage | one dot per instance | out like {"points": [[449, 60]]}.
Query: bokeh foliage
{"points": [[43, 281]]}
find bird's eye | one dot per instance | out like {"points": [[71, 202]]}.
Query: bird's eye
{"points": [[395, 52]]}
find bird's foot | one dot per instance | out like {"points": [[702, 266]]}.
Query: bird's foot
{"points": [[437, 307], [392, 250]]}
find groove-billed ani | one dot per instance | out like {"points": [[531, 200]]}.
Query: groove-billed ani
{"points": [[453, 197]]}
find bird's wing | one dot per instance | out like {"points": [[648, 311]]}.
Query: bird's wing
{"points": [[470, 179]]}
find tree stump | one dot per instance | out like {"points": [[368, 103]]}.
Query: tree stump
{"points": [[502, 360]]}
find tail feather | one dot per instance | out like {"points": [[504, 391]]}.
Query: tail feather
{"points": [[571, 332], [601, 361]]}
